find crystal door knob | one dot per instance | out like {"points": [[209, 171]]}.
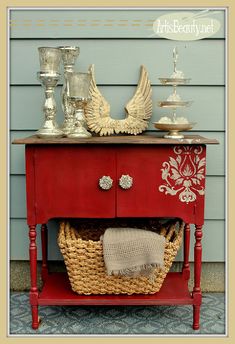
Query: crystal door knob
{"points": [[105, 182], [125, 181]]}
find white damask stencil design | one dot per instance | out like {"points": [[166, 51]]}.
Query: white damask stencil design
{"points": [[183, 174]]}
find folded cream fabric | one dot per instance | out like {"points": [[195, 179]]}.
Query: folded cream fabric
{"points": [[132, 251]]}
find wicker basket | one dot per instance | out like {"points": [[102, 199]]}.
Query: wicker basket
{"points": [[83, 255]]}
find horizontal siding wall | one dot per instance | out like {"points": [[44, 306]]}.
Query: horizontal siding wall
{"points": [[117, 61], [118, 42], [206, 110]]}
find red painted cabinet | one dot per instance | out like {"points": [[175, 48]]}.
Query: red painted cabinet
{"points": [[168, 180]]}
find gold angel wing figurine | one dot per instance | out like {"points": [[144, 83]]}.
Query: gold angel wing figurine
{"points": [[138, 109], [98, 110]]}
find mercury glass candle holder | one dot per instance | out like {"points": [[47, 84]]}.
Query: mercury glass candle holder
{"points": [[49, 75], [50, 127], [78, 96], [69, 55], [49, 58]]}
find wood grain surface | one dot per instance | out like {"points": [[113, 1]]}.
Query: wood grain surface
{"points": [[154, 139]]}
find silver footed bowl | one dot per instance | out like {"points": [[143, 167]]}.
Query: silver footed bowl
{"points": [[174, 129]]}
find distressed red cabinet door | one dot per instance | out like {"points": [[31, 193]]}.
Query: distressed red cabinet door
{"points": [[67, 181], [167, 181]]}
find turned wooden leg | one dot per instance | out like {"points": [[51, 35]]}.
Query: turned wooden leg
{"points": [[197, 295], [44, 271], [186, 267], [33, 294]]}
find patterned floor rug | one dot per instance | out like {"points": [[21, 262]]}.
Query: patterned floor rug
{"points": [[120, 320]]}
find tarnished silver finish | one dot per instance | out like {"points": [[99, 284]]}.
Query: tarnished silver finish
{"points": [[69, 55], [174, 129], [49, 58], [78, 96], [50, 128], [174, 104], [105, 182], [174, 81], [125, 181], [174, 101], [79, 129]]}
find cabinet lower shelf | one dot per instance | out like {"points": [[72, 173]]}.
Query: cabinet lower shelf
{"points": [[57, 291]]}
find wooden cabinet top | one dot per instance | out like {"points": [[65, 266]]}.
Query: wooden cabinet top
{"points": [[153, 139]]}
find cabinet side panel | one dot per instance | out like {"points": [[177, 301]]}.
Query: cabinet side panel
{"points": [[30, 184]]}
